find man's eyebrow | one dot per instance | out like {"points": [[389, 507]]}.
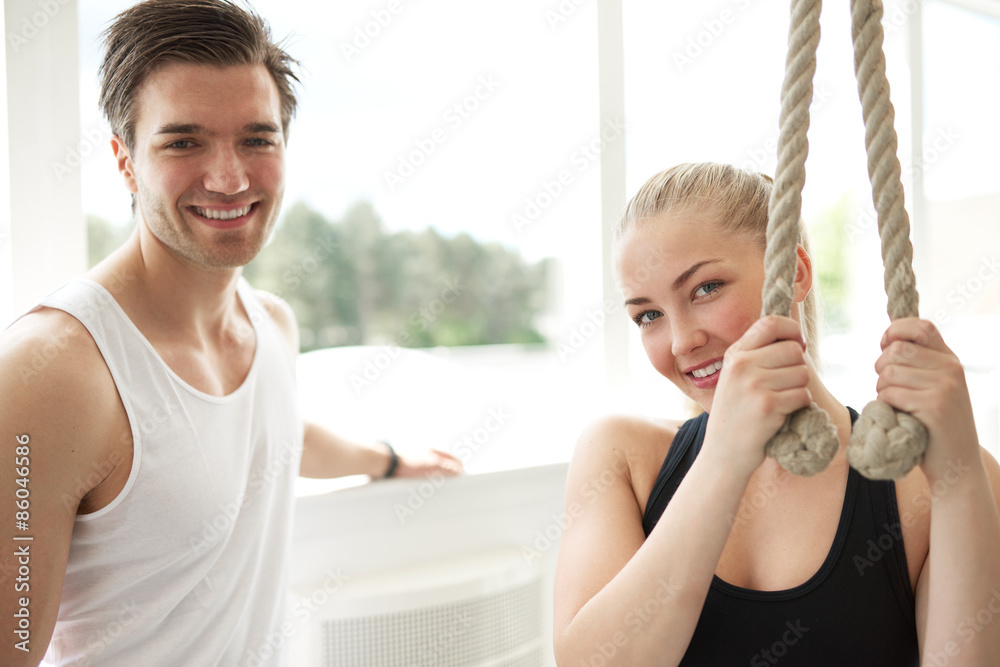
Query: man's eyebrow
{"points": [[195, 128], [182, 128], [258, 128]]}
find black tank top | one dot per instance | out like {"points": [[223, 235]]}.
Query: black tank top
{"points": [[856, 611]]}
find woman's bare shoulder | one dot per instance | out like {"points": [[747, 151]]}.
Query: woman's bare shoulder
{"points": [[632, 446], [628, 433]]}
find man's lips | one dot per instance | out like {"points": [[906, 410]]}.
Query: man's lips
{"points": [[224, 217]]}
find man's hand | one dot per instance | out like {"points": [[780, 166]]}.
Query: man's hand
{"points": [[326, 454], [431, 462]]}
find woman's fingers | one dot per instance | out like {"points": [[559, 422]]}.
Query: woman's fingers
{"points": [[919, 374], [767, 330], [780, 354], [913, 334]]}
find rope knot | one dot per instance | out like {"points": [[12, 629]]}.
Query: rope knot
{"points": [[886, 443], [805, 443]]}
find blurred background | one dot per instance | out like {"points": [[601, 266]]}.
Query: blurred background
{"points": [[453, 171], [446, 143], [454, 167]]}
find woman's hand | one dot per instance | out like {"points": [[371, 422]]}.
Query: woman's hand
{"points": [[764, 379], [919, 374]]}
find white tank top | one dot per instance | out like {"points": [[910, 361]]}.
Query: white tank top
{"points": [[187, 565]]}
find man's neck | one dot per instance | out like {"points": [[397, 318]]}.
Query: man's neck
{"points": [[168, 296]]}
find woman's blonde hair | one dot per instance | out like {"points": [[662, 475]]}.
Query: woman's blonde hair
{"points": [[739, 201]]}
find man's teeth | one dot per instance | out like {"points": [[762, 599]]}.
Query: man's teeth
{"points": [[217, 214], [707, 370]]}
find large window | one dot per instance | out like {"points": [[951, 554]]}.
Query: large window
{"points": [[957, 164], [442, 189], [703, 82], [481, 123]]}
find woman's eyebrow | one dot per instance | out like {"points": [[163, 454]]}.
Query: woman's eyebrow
{"points": [[684, 277], [678, 283]]}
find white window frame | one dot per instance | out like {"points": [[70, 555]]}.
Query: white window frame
{"points": [[43, 238]]}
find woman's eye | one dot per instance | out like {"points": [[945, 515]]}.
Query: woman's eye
{"points": [[707, 288], [646, 317]]}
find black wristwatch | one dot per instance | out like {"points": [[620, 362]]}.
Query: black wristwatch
{"points": [[393, 460]]}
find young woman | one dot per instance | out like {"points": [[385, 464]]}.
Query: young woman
{"points": [[689, 547]]}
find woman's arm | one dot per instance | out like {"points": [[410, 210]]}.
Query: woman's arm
{"points": [[621, 599], [958, 588], [630, 600]]}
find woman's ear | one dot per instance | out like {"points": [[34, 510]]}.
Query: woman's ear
{"points": [[803, 274]]}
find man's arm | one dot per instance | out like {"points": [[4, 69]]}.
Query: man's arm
{"points": [[326, 454], [60, 418]]}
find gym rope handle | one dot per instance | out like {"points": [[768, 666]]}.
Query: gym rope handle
{"points": [[885, 444]]}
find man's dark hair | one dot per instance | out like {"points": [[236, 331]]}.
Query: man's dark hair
{"points": [[202, 32]]}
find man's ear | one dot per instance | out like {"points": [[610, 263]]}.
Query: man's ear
{"points": [[125, 166], [803, 274]]}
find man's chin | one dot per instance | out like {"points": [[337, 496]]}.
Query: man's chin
{"points": [[232, 255]]}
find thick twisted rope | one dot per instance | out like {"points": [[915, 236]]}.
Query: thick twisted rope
{"points": [[807, 440], [885, 443]]}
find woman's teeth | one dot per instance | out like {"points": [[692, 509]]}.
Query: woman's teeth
{"points": [[707, 370]]}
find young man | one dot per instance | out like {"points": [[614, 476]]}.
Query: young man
{"points": [[150, 461]]}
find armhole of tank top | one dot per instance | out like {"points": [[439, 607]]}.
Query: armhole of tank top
{"points": [[886, 512], [129, 415], [676, 453]]}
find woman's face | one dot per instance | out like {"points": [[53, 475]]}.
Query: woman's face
{"points": [[693, 290]]}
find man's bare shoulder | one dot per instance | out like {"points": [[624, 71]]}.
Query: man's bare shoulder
{"points": [[283, 316], [276, 307], [47, 339], [56, 388], [49, 362]]}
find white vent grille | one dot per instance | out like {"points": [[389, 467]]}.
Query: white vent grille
{"points": [[502, 628], [477, 611]]}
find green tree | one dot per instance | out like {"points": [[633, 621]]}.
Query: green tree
{"points": [[307, 264], [351, 282]]}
